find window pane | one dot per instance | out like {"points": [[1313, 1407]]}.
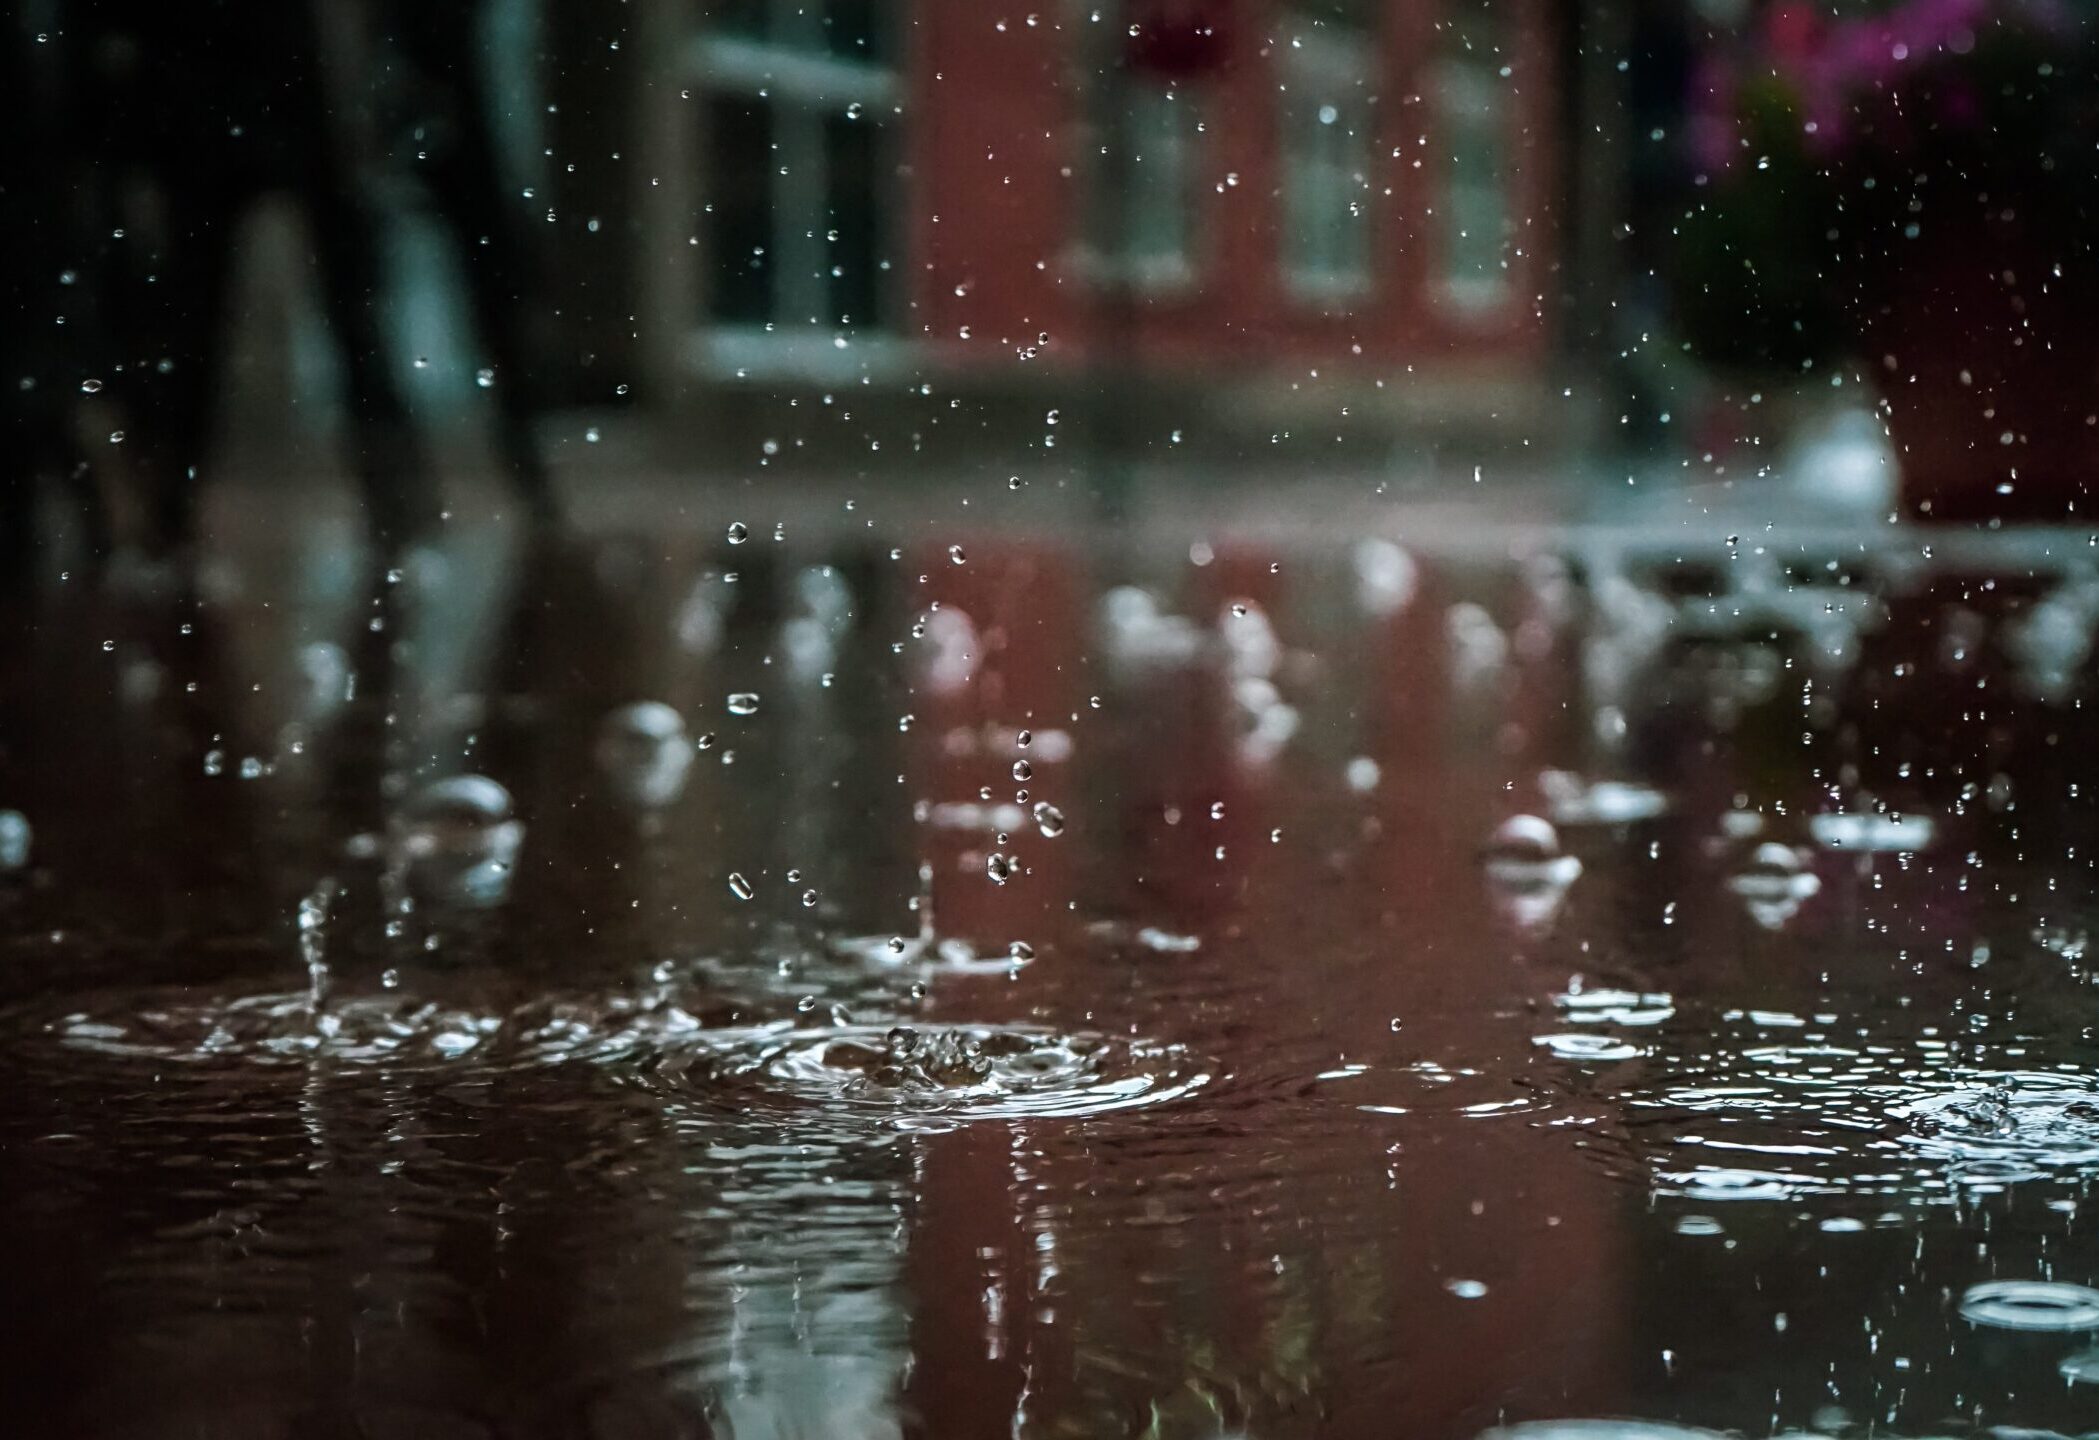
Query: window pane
{"points": [[740, 167], [1156, 170], [740, 17], [1477, 229], [1326, 219], [857, 219], [857, 29]]}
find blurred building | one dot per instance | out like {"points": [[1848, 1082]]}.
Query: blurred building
{"points": [[871, 235], [1200, 223]]}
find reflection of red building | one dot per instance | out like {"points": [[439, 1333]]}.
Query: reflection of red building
{"points": [[999, 203]]}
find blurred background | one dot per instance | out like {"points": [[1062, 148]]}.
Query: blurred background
{"points": [[603, 260], [1179, 718]]}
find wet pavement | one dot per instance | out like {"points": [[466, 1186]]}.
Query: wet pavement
{"points": [[945, 981]]}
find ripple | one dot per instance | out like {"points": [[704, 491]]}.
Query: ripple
{"points": [[1597, 1430], [1831, 1110], [1583, 1006], [1578, 1045], [277, 1028], [936, 1073], [2031, 1305]]}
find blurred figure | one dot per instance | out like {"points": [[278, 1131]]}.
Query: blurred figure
{"points": [[41, 316], [201, 111], [445, 136], [198, 112]]}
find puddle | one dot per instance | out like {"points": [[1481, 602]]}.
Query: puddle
{"points": [[927, 1073]]}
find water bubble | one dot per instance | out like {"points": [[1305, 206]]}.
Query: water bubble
{"points": [[999, 867], [1527, 872], [743, 702], [2081, 1368], [643, 754], [15, 836], [2031, 1305], [1049, 819], [955, 555], [738, 532], [1022, 770], [1024, 739], [740, 887], [458, 841], [808, 899]]}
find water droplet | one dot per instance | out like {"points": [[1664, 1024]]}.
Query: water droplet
{"points": [[1022, 770], [740, 887], [1049, 819], [14, 841], [486, 379], [808, 899], [2031, 1305], [954, 554], [1020, 951], [1024, 739], [1466, 1289], [739, 532], [90, 387], [642, 754], [999, 867], [743, 702]]}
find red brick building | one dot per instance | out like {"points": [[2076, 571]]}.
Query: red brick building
{"points": [[1002, 199]]}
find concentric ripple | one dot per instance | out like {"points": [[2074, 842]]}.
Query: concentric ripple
{"points": [[393, 1029], [939, 1073], [1773, 1106], [2031, 1305]]}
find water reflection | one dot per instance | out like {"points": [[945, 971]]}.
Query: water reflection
{"points": [[1414, 988]]}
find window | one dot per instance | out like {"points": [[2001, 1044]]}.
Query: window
{"points": [[1327, 158], [800, 205], [1146, 165], [1478, 229]]}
